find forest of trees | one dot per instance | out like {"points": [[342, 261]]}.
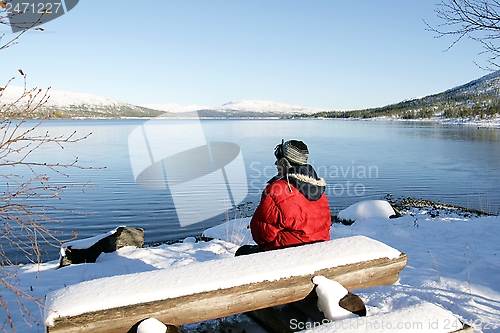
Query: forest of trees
{"points": [[477, 100]]}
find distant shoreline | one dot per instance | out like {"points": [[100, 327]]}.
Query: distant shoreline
{"points": [[493, 124]]}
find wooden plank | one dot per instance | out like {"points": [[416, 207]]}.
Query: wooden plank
{"points": [[225, 302]]}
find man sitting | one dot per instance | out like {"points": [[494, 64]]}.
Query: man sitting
{"points": [[294, 208]]}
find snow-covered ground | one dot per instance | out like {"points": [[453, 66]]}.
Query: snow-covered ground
{"points": [[493, 122], [453, 262], [490, 123]]}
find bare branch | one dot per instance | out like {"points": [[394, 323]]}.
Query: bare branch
{"points": [[478, 20], [26, 191], [4, 20], [26, 188]]}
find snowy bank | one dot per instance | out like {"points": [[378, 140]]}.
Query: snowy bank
{"points": [[453, 262]]}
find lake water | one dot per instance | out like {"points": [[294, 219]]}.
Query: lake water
{"points": [[359, 160]]}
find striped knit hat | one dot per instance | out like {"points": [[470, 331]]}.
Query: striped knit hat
{"points": [[294, 151]]}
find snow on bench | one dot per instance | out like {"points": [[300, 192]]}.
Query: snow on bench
{"points": [[218, 288], [423, 317]]}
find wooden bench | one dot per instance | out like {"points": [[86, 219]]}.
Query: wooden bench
{"points": [[219, 288]]}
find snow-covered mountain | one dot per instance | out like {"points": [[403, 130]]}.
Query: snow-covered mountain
{"points": [[64, 104], [176, 108], [58, 98], [265, 107], [479, 97], [486, 85], [237, 108], [484, 91]]}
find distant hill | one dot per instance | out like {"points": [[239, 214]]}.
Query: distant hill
{"points": [[238, 108], [176, 108], [68, 105], [65, 105], [258, 106], [477, 99]]}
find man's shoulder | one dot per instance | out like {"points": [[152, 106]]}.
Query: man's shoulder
{"points": [[276, 184], [279, 189], [275, 179]]}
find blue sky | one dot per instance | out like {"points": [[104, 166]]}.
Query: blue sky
{"points": [[328, 54]]}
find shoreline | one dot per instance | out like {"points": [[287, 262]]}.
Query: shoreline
{"points": [[487, 124], [401, 206]]}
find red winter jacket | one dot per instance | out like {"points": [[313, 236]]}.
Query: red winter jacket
{"points": [[293, 210]]}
